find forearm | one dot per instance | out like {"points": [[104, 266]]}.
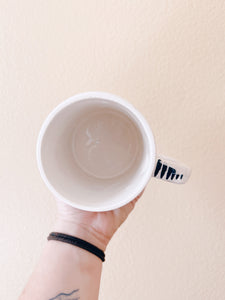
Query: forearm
{"points": [[64, 268]]}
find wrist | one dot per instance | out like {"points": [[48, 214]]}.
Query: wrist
{"points": [[85, 261], [82, 231]]}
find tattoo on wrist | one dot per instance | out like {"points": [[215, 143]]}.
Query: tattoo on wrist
{"points": [[71, 296]]}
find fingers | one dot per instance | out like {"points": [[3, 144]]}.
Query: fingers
{"points": [[138, 197], [130, 206]]}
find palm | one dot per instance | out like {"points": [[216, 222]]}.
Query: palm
{"points": [[104, 224]]}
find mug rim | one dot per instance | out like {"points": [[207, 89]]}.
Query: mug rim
{"points": [[144, 128]]}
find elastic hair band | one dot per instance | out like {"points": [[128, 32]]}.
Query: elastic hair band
{"points": [[65, 238]]}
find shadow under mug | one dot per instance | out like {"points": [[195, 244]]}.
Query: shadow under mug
{"points": [[96, 152]]}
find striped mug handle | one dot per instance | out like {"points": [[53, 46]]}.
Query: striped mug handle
{"points": [[170, 170]]}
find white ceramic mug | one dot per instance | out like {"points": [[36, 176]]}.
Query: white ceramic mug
{"points": [[96, 152]]}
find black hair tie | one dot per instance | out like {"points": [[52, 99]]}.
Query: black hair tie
{"points": [[65, 238]]}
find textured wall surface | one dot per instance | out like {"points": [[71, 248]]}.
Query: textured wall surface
{"points": [[168, 59]]}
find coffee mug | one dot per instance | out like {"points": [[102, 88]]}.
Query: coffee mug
{"points": [[96, 152]]}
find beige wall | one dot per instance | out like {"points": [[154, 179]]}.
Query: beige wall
{"points": [[168, 59]]}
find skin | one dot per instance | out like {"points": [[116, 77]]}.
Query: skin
{"points": [[68, 272]]}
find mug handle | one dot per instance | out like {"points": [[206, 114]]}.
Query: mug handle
{"points": [[170, 170]]}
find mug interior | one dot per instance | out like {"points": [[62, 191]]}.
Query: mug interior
{"points": [[94, 154]]}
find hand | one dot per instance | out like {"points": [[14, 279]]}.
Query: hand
{"points": [[94, 227]]}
